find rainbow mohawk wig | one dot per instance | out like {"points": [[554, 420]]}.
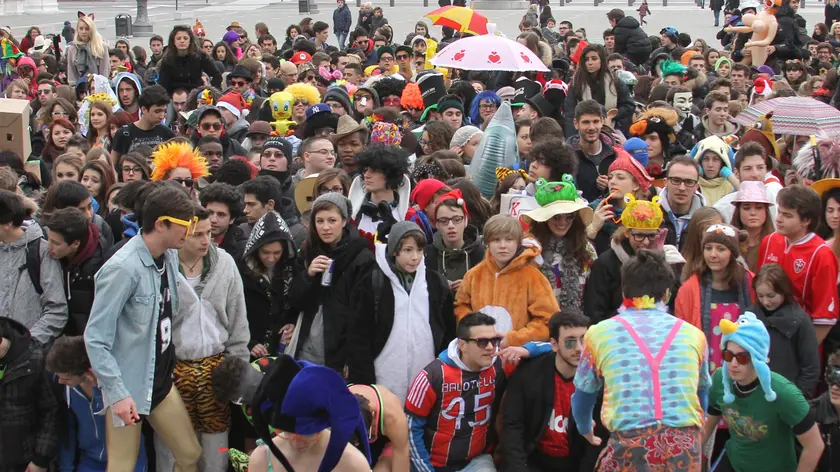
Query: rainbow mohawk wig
{"points": [[169, 156]]}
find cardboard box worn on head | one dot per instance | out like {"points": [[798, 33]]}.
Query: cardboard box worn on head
{"points": [[14, 127]]}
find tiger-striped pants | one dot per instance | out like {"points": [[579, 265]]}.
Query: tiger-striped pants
{"points": [[192, 378]]}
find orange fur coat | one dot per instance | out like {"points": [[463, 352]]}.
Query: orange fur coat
{"points": [[518, 296]]}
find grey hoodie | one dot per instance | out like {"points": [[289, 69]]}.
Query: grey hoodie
{"points": [[44, 315], [454, 263]]}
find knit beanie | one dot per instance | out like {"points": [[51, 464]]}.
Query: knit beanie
{"points": [[463, 135], [234, 103], [723, 234], [723, 60], [638, 149], [450, 101], [424, 191], [751, 334], [279, 143], [626, 163], [398, 231], [340, 201]]}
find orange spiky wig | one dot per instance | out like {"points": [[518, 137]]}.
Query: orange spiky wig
{"points": [[169, 156], [306, 92], [411, 97]]}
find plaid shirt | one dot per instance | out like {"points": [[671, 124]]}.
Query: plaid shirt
{"points": [[29, 418]]}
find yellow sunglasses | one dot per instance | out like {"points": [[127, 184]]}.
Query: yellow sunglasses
{"points": [[189, 224]]}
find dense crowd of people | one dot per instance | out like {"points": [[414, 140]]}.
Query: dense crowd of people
{"points": [[316, 250]]}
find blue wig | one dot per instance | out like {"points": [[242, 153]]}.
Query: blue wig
{"points": [[487, 96]]}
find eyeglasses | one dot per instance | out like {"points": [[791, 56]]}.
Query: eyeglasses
{"points": [[487, 106], [326, 190], [483, 342], [455, 219], [190, 225], [188, 182], [742, 357], [639, 237], [301, 101], [131, 170], [208, 126], [402, 57], [676, 182], [60, 113], [238, 83], [44, 91], [323, 152], [386, 58]]}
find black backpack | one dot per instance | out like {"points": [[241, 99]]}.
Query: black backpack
{"points": [[33, 264]]}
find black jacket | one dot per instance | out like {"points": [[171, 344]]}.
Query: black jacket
{"points": [[631, 40], [602, 293], [527, 408], [793, 352], [373, 318], [186, 71], [787, 42], [29, 421], [829, 424], [267, 302], [832, 14], [79, 287], [235, 238], [353, 262], [587, 173]]}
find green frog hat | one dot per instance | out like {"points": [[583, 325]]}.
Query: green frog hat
{"points": [[557, 198]]}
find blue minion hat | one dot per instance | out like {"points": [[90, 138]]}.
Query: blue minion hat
{"points": [[751, 334], [304, 398]]}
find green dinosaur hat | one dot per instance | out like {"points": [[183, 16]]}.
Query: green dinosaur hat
{"points": [[557, 198]]}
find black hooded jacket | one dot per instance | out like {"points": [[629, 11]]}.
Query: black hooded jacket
{"points": [[352, 263], [787, 42], [79, 286], [266, 298], [631, 40], [29, 421], [185, 72]]}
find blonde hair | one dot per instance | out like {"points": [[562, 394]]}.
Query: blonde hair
{"points": [[502, 226], [95, 43]]}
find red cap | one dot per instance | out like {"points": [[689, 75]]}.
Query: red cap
{"points": [[424, 191], [301, 58]]}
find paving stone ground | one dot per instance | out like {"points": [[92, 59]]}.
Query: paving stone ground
{"points": [[216, 15]]}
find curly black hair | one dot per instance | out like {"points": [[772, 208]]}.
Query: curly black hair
{"points": [[223, 193], [391, 161], [554, 153], [389, 86]]}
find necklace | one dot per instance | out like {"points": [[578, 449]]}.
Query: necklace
{"points": [[191, 268], [743, 391]]}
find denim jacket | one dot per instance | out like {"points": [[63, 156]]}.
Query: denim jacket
{"points": [[120, 335]]}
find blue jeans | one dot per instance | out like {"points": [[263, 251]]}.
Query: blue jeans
{"points": [[717, 17], [483, 463], [342, 38]]}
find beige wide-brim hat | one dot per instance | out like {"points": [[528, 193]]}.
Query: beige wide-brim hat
{"points": [[545, 213], [347, 126], [303, 193]]}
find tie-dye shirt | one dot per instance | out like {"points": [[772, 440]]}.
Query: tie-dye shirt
{"points": [[636, 395]]}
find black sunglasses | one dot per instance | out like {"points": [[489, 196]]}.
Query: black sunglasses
{"points": [[483, 342], [188, 182]]}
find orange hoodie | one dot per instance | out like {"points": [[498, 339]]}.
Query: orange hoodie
{"points": [[518, 296]]}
